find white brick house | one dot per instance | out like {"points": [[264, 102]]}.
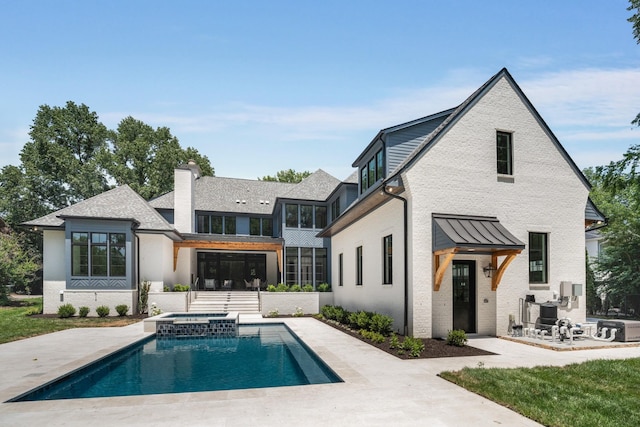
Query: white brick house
{"points": [[488, 190]]}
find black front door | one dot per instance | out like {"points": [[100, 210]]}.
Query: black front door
{"points": [[464, 295]]}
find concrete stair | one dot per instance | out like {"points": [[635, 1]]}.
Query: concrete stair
{"points": [[224, 302]]}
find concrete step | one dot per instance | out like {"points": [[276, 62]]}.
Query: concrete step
{"points": [[224, 302]]}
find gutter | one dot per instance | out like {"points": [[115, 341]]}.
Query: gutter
{"points": [[406, 258]]}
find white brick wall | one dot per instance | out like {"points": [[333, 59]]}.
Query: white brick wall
{"points": [[286, 302], [458, 176]]}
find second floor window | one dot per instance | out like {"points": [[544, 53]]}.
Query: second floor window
{"points": [[372, 171], [504, 144]]}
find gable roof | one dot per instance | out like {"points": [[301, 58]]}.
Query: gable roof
{"points": [[317, 186], [233, 195], [460, 111], [120, 203]]}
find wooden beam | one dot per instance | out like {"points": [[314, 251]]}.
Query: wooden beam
{"points": [[228, 246], [497, 276], [440, 268]]}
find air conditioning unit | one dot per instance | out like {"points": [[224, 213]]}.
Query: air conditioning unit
{"points": [[626, 330]]}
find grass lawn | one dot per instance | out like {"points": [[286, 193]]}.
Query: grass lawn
{"points": [[16, 324], [595, 393]]}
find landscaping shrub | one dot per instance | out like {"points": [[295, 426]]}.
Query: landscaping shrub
{"points": [[180, 288], [381, 324], [360, 319], [307, 288], [143, 297], [457, 337], [335, 312], [103, 311], [122, 309], [282, 287], [66, 310], [394, 342], [323, 287], [298, 312], [271, 288], [295, 288], [166, 288], [274, 312], [413, 346], [83, 311], [372, 336]]}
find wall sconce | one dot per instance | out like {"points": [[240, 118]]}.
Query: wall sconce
{"points": [[488, 270]]}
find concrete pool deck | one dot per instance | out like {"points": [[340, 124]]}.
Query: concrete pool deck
{"points": [[379, 389]]}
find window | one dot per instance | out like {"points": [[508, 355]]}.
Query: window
{"points": [[306, 266], [538, 252], [321, 265], [210, 224], [372, 171], [267, 227], [340, 271], [335, 209], [505, 153], [254, 226], [321, 216], [387, 260], [79, 254], [98, 254], [359, 266], [291, 265], [229, 225], [306, 216], [291, 215]]}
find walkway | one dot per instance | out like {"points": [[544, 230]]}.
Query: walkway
{"points": [[379, 389]]}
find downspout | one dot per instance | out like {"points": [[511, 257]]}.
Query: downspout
{"points": [[406, 258]]}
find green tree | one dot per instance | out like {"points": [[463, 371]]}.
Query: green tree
{"points": [[18, 263], [288, 175], [616, 191], [144, 158]]}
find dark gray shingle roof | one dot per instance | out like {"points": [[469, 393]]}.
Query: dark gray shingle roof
{"points": [[120, 203], [317, 186]]}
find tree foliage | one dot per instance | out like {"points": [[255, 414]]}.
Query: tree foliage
{"points": [[18, 263], [143, 157], [288, 175], [72, 156]]}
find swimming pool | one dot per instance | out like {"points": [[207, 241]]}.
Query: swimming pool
{"points": [[261, 355]]}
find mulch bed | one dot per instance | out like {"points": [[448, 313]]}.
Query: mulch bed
{"points": [[433, 347]]}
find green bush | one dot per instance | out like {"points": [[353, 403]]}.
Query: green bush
{"points": [[335, 312], [166, 288], [457, 337], [282, 287], [180, 288], [413, 346], [66, 310], [381, 324], [83, 311], [307, 288], [103, 311], [360, 319], [295, 288], [323, 287], [271, 288], [372, 336], [122, 309], [394, 342]]}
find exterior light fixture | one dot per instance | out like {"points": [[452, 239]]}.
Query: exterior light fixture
{"points": [[488, 270]]}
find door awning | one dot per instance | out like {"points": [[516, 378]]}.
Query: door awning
{"points": [[453, 234], [472, 234]]}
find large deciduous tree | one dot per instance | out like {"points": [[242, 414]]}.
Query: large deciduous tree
{"points": [[18, 263], [288, 175], [144, 158]]}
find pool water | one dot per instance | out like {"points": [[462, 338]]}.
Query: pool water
{"points": [[267, 355]]}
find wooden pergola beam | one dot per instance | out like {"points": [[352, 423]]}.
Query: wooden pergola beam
{"points": [[228, 246]]}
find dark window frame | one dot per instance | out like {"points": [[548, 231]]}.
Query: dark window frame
{"points": [[538, 258], [359, 265], [105, 254], [504, 153], [387, 260]]}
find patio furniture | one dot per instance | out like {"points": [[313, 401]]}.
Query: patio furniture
{"points": [[227, 284], [248, 284], [210, 284], [257, 283]]}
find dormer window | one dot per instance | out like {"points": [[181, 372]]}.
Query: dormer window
{"points": [[372, 171]]}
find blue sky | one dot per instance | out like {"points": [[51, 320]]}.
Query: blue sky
{"points": [[261, 86]]}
